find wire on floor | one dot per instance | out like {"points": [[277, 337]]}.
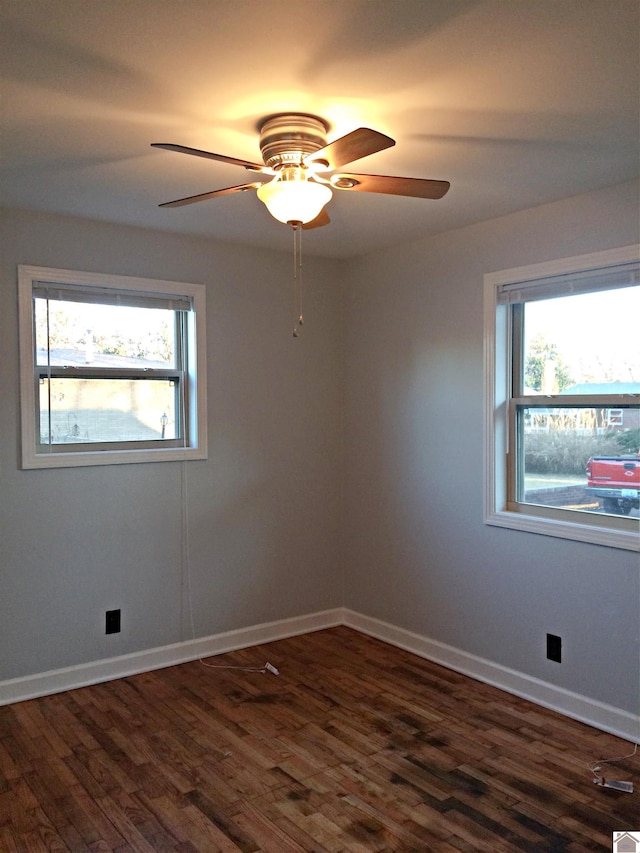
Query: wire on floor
{"points": [[186, 574], [603, 782], [268, 667]]}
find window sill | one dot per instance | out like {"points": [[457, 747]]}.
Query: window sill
{"points": [[111, 457], [604, 532]]}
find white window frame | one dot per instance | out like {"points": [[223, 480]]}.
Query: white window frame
{"points": [[500, 509], [194, 443]]}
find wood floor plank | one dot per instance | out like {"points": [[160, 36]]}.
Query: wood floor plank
{"points": [[356, 747], [130, 820], [269, 836]]}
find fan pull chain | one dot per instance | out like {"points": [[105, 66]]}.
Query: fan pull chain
{"points": [[297, 276]]}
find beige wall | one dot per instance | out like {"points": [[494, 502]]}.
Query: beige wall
{"points": [[417, 553], [379, 404], [262, 513]]}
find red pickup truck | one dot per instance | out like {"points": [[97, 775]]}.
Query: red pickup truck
{"points": [[615, 481]]}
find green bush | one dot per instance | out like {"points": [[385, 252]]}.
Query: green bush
{"points": [[565, 452], [629, 441]]}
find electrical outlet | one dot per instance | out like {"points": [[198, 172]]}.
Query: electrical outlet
{"points": [[554, 648], [112, 622]]}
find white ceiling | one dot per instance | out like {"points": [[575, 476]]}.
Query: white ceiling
{"points": [[516, 102]]}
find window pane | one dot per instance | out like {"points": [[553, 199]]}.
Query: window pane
{"points": [[96, 410], [580, 458], [104, 335], [584, 344]]}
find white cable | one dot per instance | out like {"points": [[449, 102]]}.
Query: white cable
{"points": [[268, 667], [186, 562], [186, 581], [596, 768]]}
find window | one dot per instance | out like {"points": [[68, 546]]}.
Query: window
{"points": [[562, 383], [112, 369]]}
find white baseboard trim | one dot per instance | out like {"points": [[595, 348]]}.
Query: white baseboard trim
{"points": [[597, 714], [72, 677], [574, 705]]}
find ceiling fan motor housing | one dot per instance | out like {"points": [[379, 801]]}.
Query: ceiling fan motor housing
{"points": [[287, 138]]}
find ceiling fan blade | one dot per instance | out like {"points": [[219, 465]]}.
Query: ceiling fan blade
{"points": [[321, 219], [196, 152], [414, 187], [192, 199], [355, 145]]}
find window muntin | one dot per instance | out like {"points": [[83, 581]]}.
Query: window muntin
{"points": [[563, 383], [116, 369]]}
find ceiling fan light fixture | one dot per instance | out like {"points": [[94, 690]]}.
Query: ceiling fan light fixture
{"points": [[292, 197], [344, 183]]}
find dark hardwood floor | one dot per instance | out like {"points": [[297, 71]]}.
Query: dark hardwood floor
{"points": [[356, 747]]}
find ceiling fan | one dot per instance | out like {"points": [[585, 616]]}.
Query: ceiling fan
{"points": [[303, 169]]}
